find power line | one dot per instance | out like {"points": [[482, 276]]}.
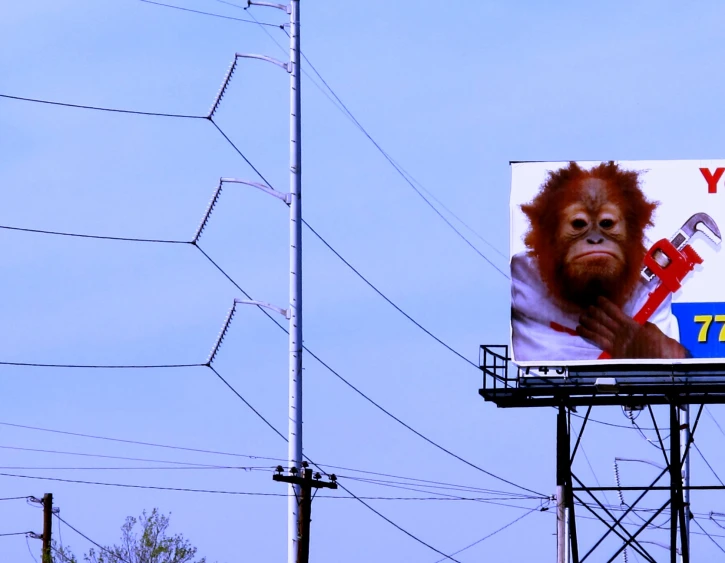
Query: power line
{"points": [[407, 485], [501, 529], [240, 153], [258, 172], [707, 463], [381, 294], [207, 13], [708, 535], [99, 546], [79, 235], [277, 323], [106, 456], [272, 427], [286, 51], [434, 485], [30, 550], [196, 365], [249, 163], [98, 108], [612, 424], [237, 493], [322, 239], [233, 390], [493, 500], [151, 487], [420, 435], [421, 482], [707, 409], [404, 175], [94, 366], [359, 392], [339, 104], [400, 528], [138, 442], [236, 6], [14, 534], [361, 500], [140, 468]]}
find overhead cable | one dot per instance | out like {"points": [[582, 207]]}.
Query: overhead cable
{"points": [[211, 206], [708, 535], [707, 463], [151, 487], [107, 456], [367, 398], [707, 409], [237, 493], [278, 324], [416, 480], [102, 237], [138, 442], [221, 16], [97, 108], [381, 294], [405, 177], [115, 556], [501, 529], [362, 501], [102, 366], [339, 104]]}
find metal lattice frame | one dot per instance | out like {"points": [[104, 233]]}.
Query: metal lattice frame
{"points": [[675, 386]]}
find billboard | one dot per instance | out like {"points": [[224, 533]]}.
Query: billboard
{"points": [[617, 262]]}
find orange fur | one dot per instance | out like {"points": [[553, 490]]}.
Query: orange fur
{"points": [[545, 214]]}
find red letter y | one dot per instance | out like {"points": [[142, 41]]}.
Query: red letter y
{"points": [[712, 179]]}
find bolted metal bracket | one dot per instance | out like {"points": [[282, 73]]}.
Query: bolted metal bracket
{"points": [[286, 313], [287, 198], [286, 66], [284, 7]]}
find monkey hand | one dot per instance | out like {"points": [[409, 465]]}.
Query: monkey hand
{"points": [[610, 329]]}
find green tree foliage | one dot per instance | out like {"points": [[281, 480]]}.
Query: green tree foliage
{"points": [[143, 540]]}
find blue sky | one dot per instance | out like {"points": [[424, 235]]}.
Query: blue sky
{"points": [[453, 92]]}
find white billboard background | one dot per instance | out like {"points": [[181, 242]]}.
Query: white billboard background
{"points": [[681, 190]]}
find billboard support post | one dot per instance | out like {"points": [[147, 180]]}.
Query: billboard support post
{"points": [[685, 447], [562, 464], [675, 480]]}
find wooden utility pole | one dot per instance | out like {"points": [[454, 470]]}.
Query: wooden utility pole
{"points": [[306, 483], [47, 527]]}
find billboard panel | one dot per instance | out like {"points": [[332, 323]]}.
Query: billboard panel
{"points": [[617, 262]]}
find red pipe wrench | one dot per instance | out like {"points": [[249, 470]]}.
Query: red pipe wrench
{"points": [[671, 261]]}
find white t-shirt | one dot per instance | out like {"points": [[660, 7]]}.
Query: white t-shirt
{"points": [[541, 331]]}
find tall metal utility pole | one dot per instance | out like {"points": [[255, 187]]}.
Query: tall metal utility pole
{"points": [[295, 298], [294, 312]]}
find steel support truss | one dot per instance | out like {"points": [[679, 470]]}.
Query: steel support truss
{"points": [[673, 386], [575, 495]]}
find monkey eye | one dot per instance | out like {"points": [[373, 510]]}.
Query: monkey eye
{"points": [[579, 223], [606, 223]]}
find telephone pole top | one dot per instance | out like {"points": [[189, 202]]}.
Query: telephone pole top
{"points": [[305, 483]]}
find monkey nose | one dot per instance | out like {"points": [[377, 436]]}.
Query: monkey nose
{"points": [[595, 240]]}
